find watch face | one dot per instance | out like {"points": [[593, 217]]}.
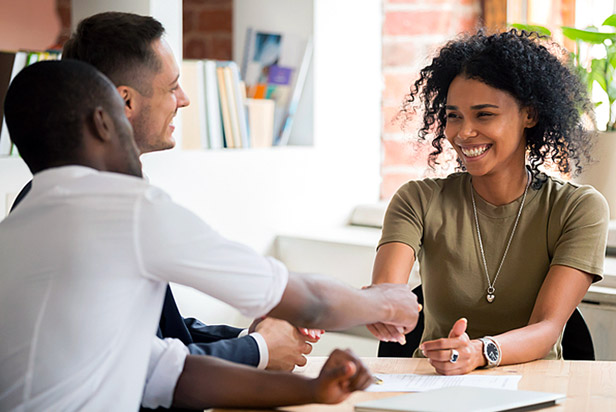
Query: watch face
{"points": [[492, 351]]}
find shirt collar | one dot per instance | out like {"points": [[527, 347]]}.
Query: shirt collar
{"points": [[54, 175]]}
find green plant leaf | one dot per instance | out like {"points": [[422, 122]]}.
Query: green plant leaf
{"points": [[532, 27], [598, 73], [610, 21], [588, 36]]}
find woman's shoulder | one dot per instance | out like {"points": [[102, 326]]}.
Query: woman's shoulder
{"points": [[567, 197], [571, 191], [434, 184]]}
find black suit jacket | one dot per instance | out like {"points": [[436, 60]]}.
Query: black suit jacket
{"points": [[220, 341]]}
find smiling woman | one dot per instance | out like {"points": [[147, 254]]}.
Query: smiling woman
{"points": [[506, 252]]}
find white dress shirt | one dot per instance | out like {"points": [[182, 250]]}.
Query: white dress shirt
{"points": [[84, 261]]}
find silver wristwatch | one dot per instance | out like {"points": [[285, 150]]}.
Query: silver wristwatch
{"points": [[491, 351]]}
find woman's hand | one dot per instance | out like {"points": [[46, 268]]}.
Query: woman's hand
{"points": [[441, 352]]}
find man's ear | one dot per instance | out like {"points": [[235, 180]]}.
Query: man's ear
{"points": [[128, 95], [102, 125]]}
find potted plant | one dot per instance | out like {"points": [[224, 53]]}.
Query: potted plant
{"points": [[596, 72]]}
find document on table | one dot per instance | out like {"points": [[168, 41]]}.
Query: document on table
{"points": [[407, 382]]}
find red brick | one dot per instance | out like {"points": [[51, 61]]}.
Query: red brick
{"points": [[219, 47], [401, 53], [210, 21], [468, 24], [207, 3], [392, 181], [422, 2], [195, 48], [416, 22], [409, 151], [391, 123], [396, 87], [188, 21]]}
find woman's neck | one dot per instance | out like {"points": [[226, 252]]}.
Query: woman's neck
{"points": [[501, 189]]}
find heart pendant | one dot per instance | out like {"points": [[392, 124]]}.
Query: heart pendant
{"points": [[490, 297]]}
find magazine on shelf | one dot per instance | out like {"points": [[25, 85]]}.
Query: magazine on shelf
{"points": [[274, 67]]}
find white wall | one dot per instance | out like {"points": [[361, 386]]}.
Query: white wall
{"points": [[252, 195]]}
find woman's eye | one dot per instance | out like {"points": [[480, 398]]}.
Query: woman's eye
{"points": [[484, 114], [452, 116]]}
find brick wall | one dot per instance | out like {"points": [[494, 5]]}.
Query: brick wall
{"points": [[412, 31], [207, 30]]}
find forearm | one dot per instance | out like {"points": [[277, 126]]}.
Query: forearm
{"points": [[208, 382], [528, 343], [315, 301]]}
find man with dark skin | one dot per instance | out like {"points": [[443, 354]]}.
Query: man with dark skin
{"points": [[131, 51], [68, 123]]}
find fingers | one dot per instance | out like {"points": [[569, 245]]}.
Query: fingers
{"points": [[312, 335], [306, 348], [361, 377], [458, 328], [388, 333], [301, 361]]}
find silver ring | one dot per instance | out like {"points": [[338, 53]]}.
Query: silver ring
{"points": [[454, 356]]}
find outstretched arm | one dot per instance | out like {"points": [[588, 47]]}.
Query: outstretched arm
{"points": [[315, 301], [209, 382], [393, 264]]}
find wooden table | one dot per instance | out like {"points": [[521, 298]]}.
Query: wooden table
{"points": [[589, 386]]}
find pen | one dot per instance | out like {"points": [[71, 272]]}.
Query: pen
{"points": [[377, 380]]}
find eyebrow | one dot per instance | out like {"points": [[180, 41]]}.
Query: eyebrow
{"points": [[475, 107], [175, 80]]}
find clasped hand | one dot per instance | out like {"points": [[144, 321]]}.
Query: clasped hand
{"points": [[404, 317]]}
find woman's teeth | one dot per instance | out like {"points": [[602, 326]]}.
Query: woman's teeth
{"points": [[474, 151]]}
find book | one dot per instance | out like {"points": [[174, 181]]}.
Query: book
{"points": [[194, 135], [285, 132], [462, 399], [239, 100], [224, 108], [261, 122], [232, 103], [271, 67], [212, 106]]}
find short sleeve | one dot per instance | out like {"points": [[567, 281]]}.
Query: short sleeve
{"points": [[404, 218], [175, 245], [583, 221]]}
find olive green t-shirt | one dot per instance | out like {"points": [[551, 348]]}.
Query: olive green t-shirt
{"points": [[561, 224]]}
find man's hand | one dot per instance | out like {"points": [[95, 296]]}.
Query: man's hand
{"points": [[342, 374], [286, 345], [404, 312]]}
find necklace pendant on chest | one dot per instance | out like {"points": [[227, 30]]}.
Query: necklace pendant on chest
{"points": [[490, 297]]}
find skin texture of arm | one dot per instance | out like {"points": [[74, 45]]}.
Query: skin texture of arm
{"points": [[393, 264], [208, 382], [315, 301], [562, 290]]}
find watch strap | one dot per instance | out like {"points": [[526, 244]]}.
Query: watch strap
{"points": [[487, 340]]}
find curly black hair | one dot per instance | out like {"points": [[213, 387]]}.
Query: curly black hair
{"points": [[518, 63]]}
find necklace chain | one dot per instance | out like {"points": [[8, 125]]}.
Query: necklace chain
{"points": [[491, 289]]}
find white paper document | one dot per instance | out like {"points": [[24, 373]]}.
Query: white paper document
{"points": [[408, 382]]}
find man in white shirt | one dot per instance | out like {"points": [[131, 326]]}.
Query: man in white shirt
{"points": [[131, 51], [85, 259]]}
